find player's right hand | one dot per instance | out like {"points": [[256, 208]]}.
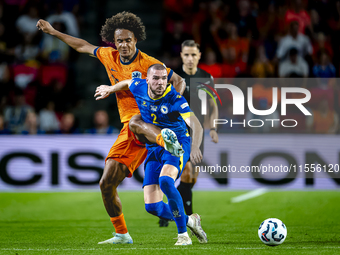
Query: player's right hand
{"points": [[195, 155], [45, 26], [102, 91], [214, 136]]}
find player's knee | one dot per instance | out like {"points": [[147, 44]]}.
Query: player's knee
{"points": [[186, 177], [132, 126], [134, 123], [165, 183], [112, 176], [153, 208], [105, 184]]}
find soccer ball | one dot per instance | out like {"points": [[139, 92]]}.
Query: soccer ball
{"points": [[272, 232]]}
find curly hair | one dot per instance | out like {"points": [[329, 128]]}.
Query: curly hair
{"points": [[123, 20]]}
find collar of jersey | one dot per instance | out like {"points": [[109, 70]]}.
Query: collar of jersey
{"points": [[168, 89], [189, 74], [131, 60]]}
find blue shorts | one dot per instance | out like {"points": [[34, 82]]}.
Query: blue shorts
{"points": [[158, 157]]}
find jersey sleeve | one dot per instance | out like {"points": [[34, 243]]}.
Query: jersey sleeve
{"points": [[135, 85], [102, 53], [181, 105]]}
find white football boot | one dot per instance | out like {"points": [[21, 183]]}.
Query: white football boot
{"points": [[171, 143], [196, 229], [183, 240], [118, 239]]}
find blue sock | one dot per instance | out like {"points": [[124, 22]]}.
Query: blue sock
{"points": [[160, 209], [167, 185]]}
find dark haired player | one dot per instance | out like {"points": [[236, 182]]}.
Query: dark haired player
{"points": [[162, 106], [124, 29]]}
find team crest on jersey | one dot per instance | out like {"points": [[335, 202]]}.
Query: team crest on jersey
{"points": [[136, 74], [144, 104], [164, 109], [153, 108]]}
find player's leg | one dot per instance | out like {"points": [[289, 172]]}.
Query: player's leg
{"points": [[160, 178], [171, 170], [154, 186], [145, 132], [123, 159], [188, 180], [167, 184], [167, 179], [149, 133], [153, 198], [114, 173], [153, 195]]}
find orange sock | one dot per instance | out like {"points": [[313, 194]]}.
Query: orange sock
{"points": [[159, 140], [119, 224]]}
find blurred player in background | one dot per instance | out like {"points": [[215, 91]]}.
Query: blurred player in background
{"points": [[127, 62], [162, 106], [191, 55]]}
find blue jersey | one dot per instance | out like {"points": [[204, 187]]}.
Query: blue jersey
{"points": [[168, 111]]}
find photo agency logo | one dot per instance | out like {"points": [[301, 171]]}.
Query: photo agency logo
{"points": [[261, 114], [202, 94]]}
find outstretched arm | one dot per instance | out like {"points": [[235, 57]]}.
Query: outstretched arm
{"points": [[213, 116], [78, 44], [178, 83], [197, 134], [103, 91]]}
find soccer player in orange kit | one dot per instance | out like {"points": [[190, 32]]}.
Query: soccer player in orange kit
{"points": [[127, 62]]}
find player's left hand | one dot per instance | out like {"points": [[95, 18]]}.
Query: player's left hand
{"points": [[102, 91], [195, 155], [45, 26], [214, 136]]}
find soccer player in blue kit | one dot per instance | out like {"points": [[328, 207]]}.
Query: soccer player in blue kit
{"points": [[161, 105]]}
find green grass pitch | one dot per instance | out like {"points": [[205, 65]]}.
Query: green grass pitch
{"points": [[73, 223]]}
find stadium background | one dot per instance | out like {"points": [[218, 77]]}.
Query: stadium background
{"points": [[48, 113]]}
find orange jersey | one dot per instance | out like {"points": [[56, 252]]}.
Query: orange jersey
{"points": [[118, 71]]}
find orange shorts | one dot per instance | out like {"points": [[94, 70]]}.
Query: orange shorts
{"points": [[128, 150]]}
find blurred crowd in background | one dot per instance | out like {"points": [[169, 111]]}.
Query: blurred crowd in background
{"points": [[239, 39]]}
